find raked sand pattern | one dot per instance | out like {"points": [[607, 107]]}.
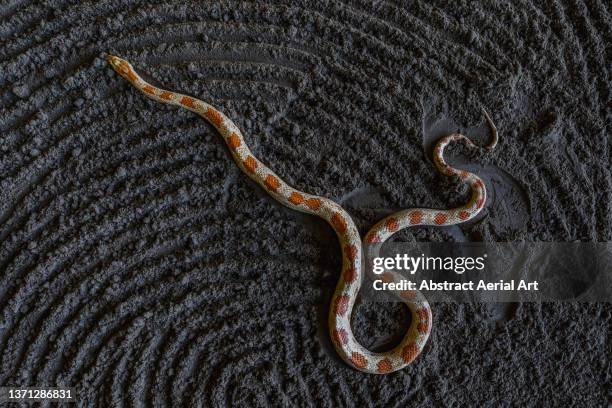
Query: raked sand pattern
{"points": [[140, 265]]}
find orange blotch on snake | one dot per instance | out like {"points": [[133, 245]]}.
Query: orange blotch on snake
{"points": [[166, 95], [480, 202], [338, 222], [233, 141], [350, 274], [359, 360], [214, 116], [296, 198], [250, 164], [272, 183], [416, 217], [340, 336], [131, 74], [313, 203], [423, 325], [410, 352], [440, 218], [384, 366], [189, 102], [392, 224], [341, 305], [149, 89], [464, 215], [387, 277], [351, 252], [373, 238], [408, 294]]}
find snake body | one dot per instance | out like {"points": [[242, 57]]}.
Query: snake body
{"points": [[347, 346]]}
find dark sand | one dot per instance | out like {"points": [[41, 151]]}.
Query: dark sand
{"points": [[140, 266]]}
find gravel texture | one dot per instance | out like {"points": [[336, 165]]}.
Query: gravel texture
{"points": [[139, 265]]}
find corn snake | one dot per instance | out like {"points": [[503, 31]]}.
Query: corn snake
{"points": [[350, 281]]}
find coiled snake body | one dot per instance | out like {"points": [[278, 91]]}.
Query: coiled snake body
{"points": [[352, 251]]}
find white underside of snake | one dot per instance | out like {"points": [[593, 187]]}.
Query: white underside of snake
{"points": [[353, 251]]}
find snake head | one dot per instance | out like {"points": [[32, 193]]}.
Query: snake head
{"points": [[122, 67]]}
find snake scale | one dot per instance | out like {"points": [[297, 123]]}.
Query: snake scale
{"points": [[347, 346]]}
